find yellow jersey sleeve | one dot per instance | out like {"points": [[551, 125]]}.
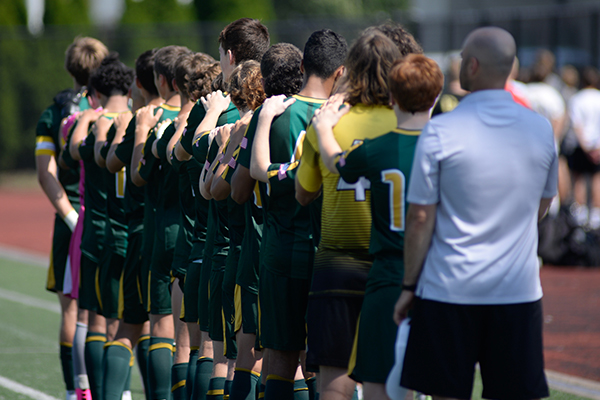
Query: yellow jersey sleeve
{"points": [[309, 171]]}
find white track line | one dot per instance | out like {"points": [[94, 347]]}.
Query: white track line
{"points": [[22, 389], [29, 301], [24, 256]]}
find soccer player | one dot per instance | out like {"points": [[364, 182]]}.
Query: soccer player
{"points": [[287, 256], [62, 187], [342, 261], [134, 329], [386, 161], [145, 171], [483, 176]]}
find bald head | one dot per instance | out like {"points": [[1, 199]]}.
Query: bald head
{"points": [[494, 50]]}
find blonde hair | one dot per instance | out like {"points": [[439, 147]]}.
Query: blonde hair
{"points": [[83, 56]]}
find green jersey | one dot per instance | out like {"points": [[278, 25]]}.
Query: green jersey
{"points": [[196, 116], [134, 195], [289, 247], [386, 162], [116, 223]]}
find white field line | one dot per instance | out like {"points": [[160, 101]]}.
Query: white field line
{"points": [[574, 385], [27, 257], [22, 389], [29, 301], [50, 344]]}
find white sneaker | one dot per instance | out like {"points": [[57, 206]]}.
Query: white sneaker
{"points": [[594, 221], [126, 395], [580, 213]]}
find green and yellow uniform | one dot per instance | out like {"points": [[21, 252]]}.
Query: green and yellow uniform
{"points": [[111, 265], [386, 163], [287, 251], [49, 142], [161, 193], [133, 206], [342, 262]]}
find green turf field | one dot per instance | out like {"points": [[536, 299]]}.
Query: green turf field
{"points": [[29, 323]]}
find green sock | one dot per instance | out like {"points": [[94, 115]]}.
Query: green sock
{"points": [[311, 383], [216, 389], [117, 367], [204, 367], [355, 397], [261, 391], [300, 390], [141, 354], [94, 353], [191, 373], [278, 388], [244, 385], [178, 381], [227, 389], [66, 363], [160, 360]]}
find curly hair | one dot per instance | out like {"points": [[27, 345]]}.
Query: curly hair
{"points": [[245, 86], [144, 70], [280, 68], [187, 66], [217, 83], [415, 82], [83, 56], [200, 83], [112, 77], [247, 39], [367, 66], [406, 42]]}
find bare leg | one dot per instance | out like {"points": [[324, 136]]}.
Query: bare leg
{"points": [[335, 384], [374, 391]]}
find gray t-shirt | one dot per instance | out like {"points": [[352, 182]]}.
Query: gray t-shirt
{"points": [[486, 165]]}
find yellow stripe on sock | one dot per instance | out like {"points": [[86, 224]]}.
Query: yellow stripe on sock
{"points": [[95, 339], [178, 385], [248, 371], [142, 338], [279, 378], [300, 389], [261, 395], [216, 392], [202, 358], [65, 344], [157, 346], [192, 348], [116, 343]]}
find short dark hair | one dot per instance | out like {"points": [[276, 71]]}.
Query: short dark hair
{"points": [[415, 82], [245, 87], [280, 68], [112, 77], [165, 61], [187, 66], [406, 42], [200, 83], [247, 39], [144, 70], [589, 77], [83, 56], [369, 61], [324, 52]]}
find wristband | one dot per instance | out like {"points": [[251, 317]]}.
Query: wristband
{"points": [[409, 288], [71, 219]]}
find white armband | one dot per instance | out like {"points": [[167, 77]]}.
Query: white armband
{"points": [[71, 219]]}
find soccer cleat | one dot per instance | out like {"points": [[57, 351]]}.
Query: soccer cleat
{"points": [[83, 394]]}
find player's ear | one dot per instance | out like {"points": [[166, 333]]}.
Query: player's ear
{"points": [[392, 101], [138, 83], [339, 72], [302, 66], [230, 57]]}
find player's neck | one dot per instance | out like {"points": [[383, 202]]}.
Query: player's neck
{"points": [[186, 105], [410, 121], [316, 88], [173, 99], [155, 101], [118, 103]]}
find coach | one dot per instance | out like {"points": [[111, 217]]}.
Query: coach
{"points": [[483, 175]]}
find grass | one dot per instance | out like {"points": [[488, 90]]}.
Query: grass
{"points": [[29, 338]]}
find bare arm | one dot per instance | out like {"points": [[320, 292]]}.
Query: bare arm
{"points": [[81, 131], [261, 150], [48, 179], [180, 124], [101, 129], [303, 196], [544, 206], [324, 120], [113, 164], [420, 222], [214, 104], [145, 120], [242, 185]]}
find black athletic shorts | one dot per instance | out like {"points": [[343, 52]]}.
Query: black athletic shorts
{"points": [[580, 163], [447, 340]]}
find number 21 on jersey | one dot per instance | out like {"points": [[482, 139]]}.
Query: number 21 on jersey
{"points": [[396, 181]]}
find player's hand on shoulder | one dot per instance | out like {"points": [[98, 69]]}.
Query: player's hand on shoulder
{"points": [[123, 120], [215, 101], [90, 115], [276, 105], [331, 112], [147, 117]]}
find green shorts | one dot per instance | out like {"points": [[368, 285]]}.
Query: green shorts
{"points": [[282, 305], [160, 278], [228, 300], [373, 353], [111, 272], [204, 295], [189, 311], [58, 255], [246, 310], [181, 254], [215, 305], [89, 290], [133, 307]]}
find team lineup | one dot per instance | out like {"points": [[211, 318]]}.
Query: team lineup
{"points": [[238, 226]]}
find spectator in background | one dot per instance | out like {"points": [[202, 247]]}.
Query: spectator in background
{"points": [[452, 93], [517, 89], [570, 77], [584, 110]]}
